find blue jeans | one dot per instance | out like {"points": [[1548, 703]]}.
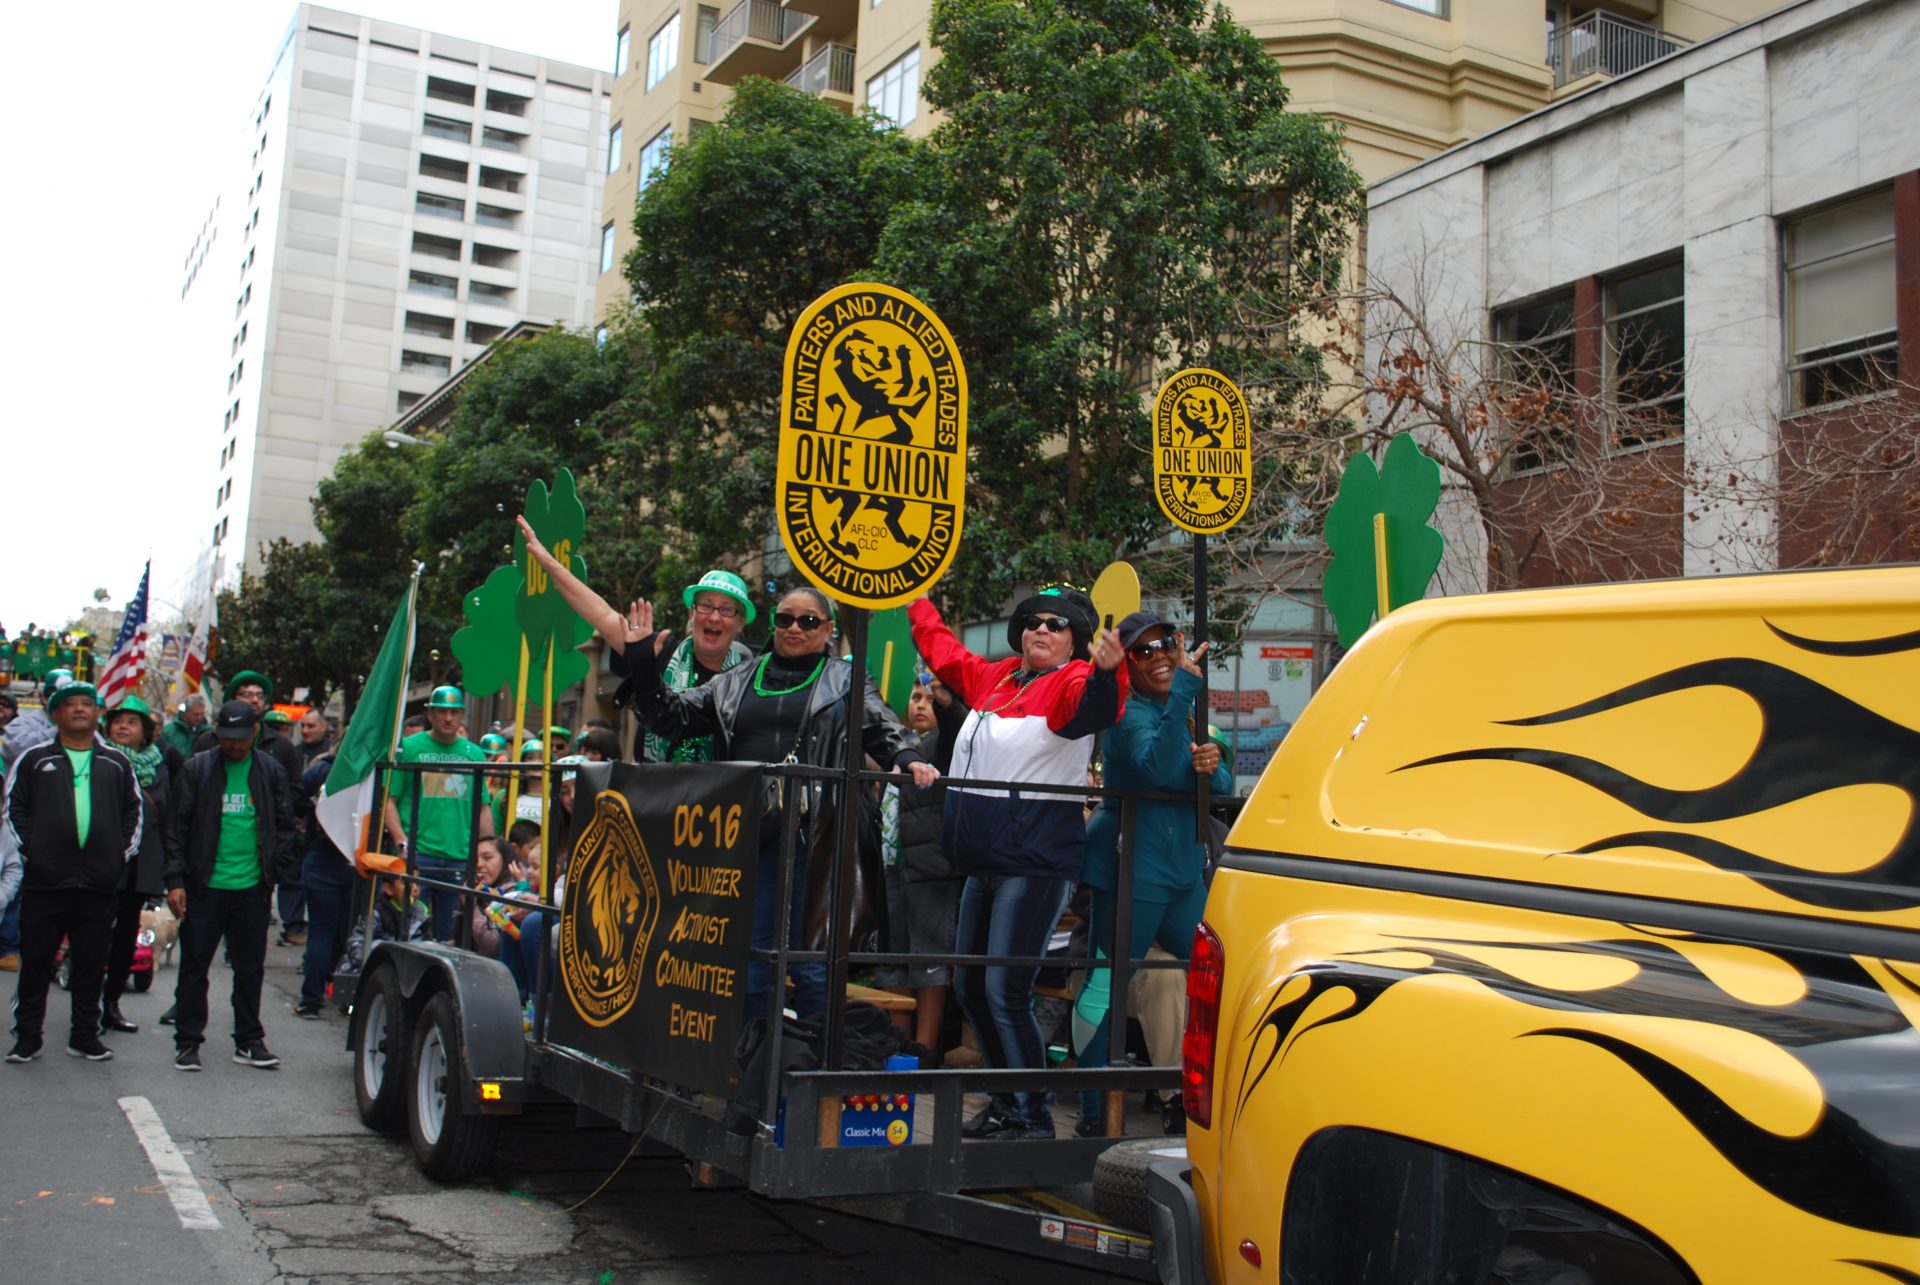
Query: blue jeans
{"points": [[1168, 924], [331, 888], [10, 927], [443, 904], [1007, 915], [292, 899], [809, 980], [522, 957]]}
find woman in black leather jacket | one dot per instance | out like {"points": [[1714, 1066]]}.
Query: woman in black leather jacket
{"points": [[789, 705]]}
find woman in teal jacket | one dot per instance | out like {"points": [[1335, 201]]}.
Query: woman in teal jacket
{"points": [[1158, 745]]}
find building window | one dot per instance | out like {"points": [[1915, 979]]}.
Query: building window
{"points": [[705, 19], [663, 51], [425, 323], [493, 216], [445, 207], [614, 137], [441, 168], [478, 332], [405, 401], [438, 247], [895, 92], [1432, 8], [1841, 336], [622, 51], [500, 140], [1538, 353], [434, 284], [456, 131], [449, 91], [499, 180], [483, 292], [424, 363], [499, 100], [599, 338], [606, 248], [1646, 316], [493, 256], [653, 157]]}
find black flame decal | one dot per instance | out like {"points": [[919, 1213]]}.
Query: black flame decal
{"points": [[1812, 740]]}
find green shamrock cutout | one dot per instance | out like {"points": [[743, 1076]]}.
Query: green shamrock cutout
{"points": [[1406, 488], [489, 647], [560, 521]]}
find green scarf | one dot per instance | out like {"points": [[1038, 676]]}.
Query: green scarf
{"points": [[146, 762], [682, 675]]}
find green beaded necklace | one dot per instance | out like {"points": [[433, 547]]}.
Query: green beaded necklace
{"points": [[760, 673]]}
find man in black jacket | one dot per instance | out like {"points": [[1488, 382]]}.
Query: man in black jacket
{"points": [[232, 842], [74, 810]]}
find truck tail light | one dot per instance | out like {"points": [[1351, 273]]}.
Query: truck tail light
{"points": [[1204, 973]]}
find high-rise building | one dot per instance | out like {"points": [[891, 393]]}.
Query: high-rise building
{"points": [[409, 197], [1405, 79]]}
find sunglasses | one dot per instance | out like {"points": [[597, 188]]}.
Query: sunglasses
{"points": [[1140, 651], [787, 620], [1053, 624]]}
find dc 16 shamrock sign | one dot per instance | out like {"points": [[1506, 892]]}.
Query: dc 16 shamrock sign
{"points": [[1384, 551]]}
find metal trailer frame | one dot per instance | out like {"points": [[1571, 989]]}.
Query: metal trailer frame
{"points": [[935, 1186]]}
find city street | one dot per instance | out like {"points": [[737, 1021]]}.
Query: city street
{"points": [[301, 1191]]}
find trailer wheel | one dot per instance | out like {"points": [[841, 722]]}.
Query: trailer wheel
{"points": [[448, 1144], [379, 1052], [1120, 1180]]}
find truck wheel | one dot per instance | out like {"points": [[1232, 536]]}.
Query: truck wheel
{"points": [[448, 1144], [143, 982], [1120, 1180], [379, 1052]]}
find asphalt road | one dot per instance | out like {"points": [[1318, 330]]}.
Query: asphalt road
{"points": [[303, 1192]]}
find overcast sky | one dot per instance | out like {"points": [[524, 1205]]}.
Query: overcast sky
{"points": [[126, 125]]}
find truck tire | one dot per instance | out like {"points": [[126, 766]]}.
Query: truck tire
{"points": [[1120, 1180], [449, 1145], [379, 1052]]}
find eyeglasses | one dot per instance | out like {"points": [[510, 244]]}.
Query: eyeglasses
{"points": [[724, 610], [1053, 624], [1140, 651], [787, 620]]}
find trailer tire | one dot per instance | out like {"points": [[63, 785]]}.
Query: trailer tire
{"points": [[449, 1145], [1120, 1182], [380, 1051]]}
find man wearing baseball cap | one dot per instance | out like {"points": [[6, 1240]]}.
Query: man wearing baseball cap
{"points": [[445, 822], [73, 812], [232, 842]]}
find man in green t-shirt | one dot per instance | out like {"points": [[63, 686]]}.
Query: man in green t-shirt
{"points": [[446, 822], [232, 842]]}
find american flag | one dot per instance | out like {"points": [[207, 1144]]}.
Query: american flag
{"points": [[128, 664]]}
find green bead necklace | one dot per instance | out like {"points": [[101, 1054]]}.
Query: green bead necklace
{"points": [[760, 673]]}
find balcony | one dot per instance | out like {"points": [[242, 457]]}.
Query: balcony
{"points": [[1605, 44], [754, 39], [837, 15], [829, 74]]}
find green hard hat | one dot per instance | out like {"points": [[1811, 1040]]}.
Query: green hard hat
{"points": [[493, 742], [530, 747], [447, 698], [55, 680], [70, 687], [560, 732], [719, 582], [277, 718], [134, 705]]}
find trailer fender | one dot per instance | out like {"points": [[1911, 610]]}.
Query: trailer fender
{"points": [[487, 1004]]}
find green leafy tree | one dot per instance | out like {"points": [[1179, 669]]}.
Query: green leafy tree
{"points": [[757, 216], [278, 622], [1118, 184]]}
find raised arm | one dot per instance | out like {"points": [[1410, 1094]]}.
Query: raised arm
{"points": [[617, 629]]}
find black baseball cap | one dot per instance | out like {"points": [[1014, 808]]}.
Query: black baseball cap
{"points": [[235, 722], [1135, 624]]}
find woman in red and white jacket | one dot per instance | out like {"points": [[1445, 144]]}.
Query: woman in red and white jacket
{"points": [[1033, 722]]}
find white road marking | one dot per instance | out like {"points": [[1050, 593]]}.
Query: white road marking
{"points": [[183, 1189]]}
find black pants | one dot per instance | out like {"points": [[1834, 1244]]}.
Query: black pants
{"points": [[85, 920], [239, 915], [126, 927]]}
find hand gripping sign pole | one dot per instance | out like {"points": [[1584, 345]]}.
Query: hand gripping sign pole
{"points": [[1203, 479], [870, 493]]}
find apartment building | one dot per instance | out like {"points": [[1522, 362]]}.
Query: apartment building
{"points": [[1745, 212], [408, 197], [1405, 78]]}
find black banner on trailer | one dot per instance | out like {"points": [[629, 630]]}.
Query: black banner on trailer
{"points": [[658, 919]]}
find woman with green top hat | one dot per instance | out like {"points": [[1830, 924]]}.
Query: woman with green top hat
{"points": [[130, 729], [718, 608]]}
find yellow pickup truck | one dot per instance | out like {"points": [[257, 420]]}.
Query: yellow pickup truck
{"points": [[1573, 936]]}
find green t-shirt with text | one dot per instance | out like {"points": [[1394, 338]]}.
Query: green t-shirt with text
{"points": [[236, 858], [446, 808], [82, 761]]}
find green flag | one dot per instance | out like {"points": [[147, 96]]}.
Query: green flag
{"points": [[372, 733]]}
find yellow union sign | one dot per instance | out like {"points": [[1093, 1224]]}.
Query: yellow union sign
{"points": [[873, 445], [1202, 451]]}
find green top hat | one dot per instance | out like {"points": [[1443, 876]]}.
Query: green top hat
{"points": [[720, 582], [446, 698], [245, 676]]}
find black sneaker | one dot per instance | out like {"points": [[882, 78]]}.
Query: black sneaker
{"points": [[990, 1122], [1019, 1130], [186, 1058], [25, 1049], [255, 1054], [166, 1018], [309, 1011], [1090, 1126], [89, 1048]]}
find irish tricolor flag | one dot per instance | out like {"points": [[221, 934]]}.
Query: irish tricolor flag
{"points": [[372, 735]]}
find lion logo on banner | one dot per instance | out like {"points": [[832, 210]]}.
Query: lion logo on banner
{"points": [[613, 905]]}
